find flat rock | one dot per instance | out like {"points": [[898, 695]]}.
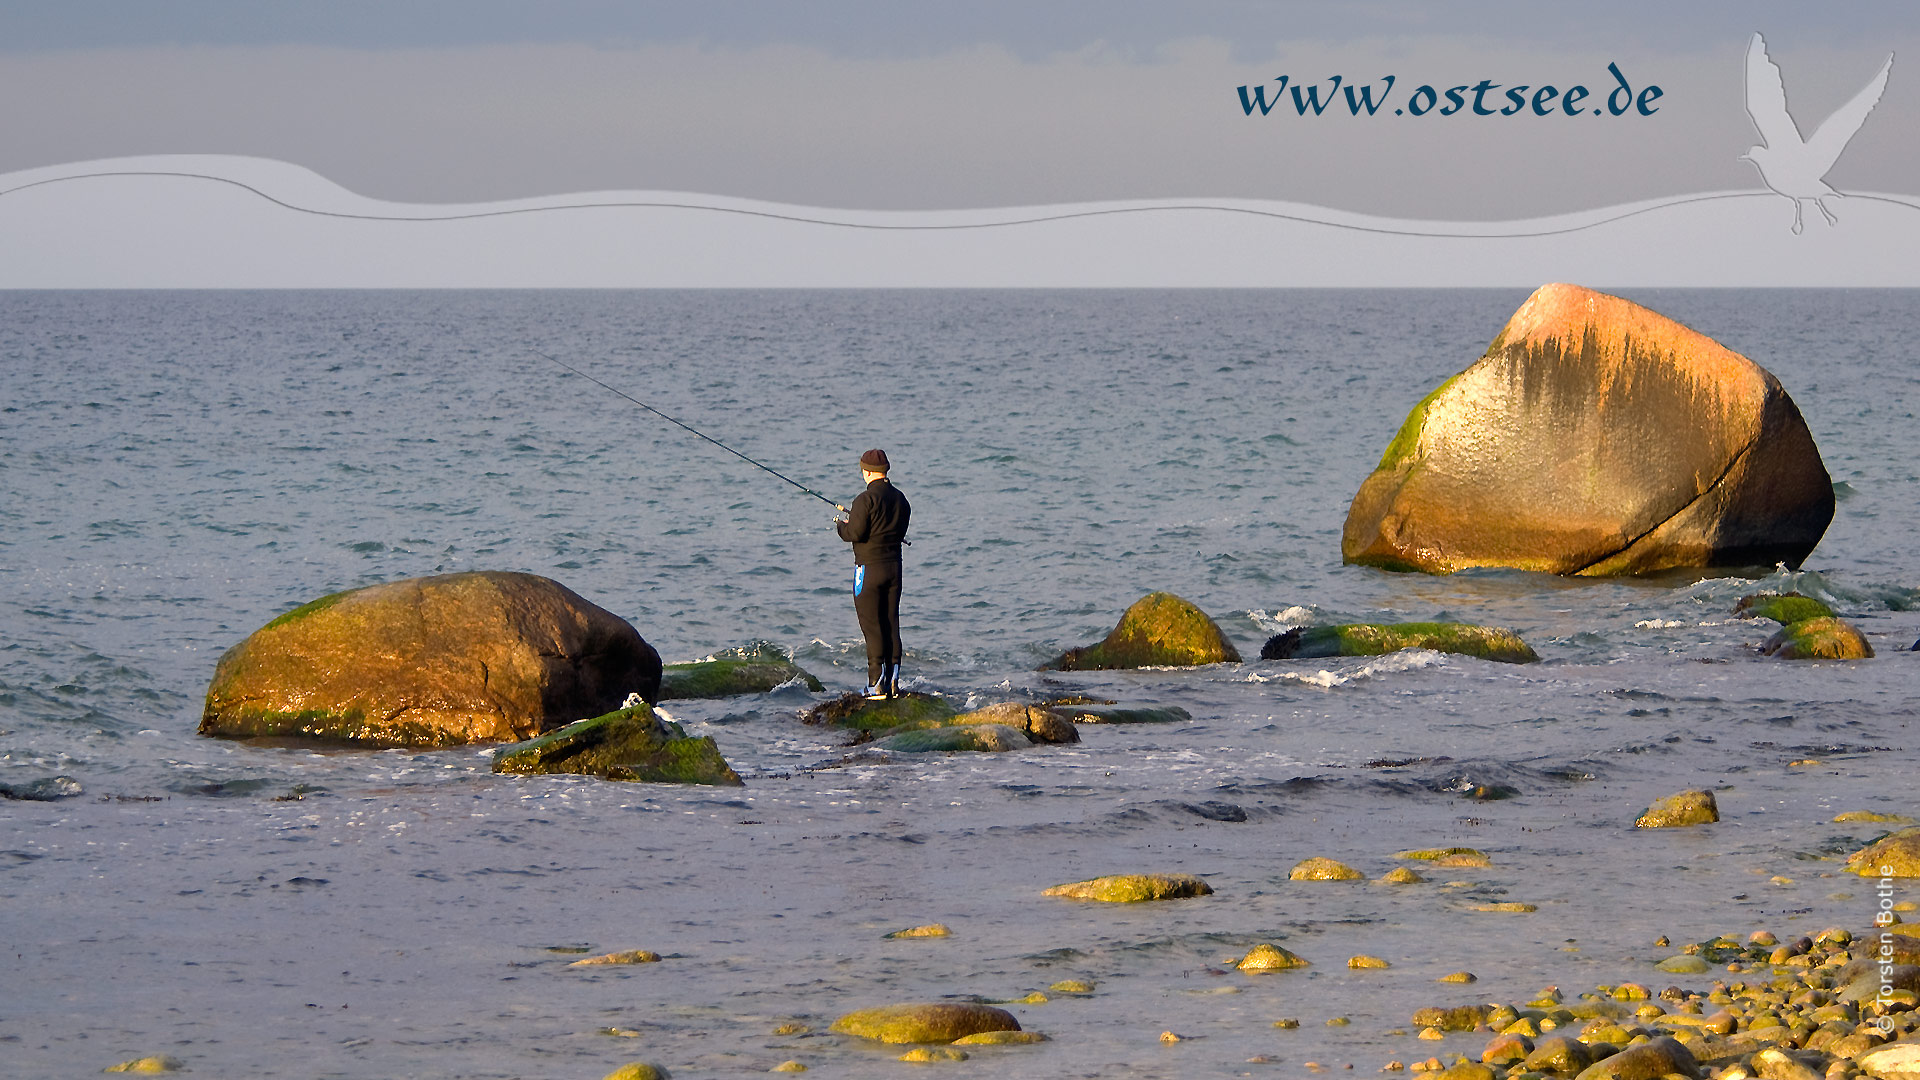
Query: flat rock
{"points": [[1133, 888], [627, 744], [1159, 630], [487, 656], [927, 1022], [1682, 808], [1650, 1060], [1895, 1061], [909, 710], [1595, 437], [1377, 639]]}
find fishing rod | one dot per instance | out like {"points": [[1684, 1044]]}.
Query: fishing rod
{"points": [[671, 420]]}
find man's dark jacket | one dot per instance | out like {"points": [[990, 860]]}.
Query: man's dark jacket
{"points": [[876, 524]]}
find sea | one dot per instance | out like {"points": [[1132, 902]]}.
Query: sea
{"points": [[178, 468]]}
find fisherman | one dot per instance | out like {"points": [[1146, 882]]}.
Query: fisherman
{"points": [[876, 526]]}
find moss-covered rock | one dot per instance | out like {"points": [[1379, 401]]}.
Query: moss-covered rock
{"points": [[730, 677], [910, 710], [640, 1070], [930, 930], [1159, 630], [629, 956], [1458, 1018], [1133, 888], [1897, 855], [157, 1063], [1377, 639], [1558, 1054], [1595, 437], [927, 1022], [1270, 957], [1038, 723], [435, 661], [1118, 714], [1435, 854], [628, 744], [1818, 638], [1682, 808], [983, 738], [1001, 1038], [1323, 869], [1401, 875], [1783, 608]]}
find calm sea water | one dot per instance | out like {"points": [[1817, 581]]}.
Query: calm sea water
{"points": [[178, 468]]}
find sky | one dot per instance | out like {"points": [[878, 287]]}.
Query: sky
{"points": [[892, 106]]}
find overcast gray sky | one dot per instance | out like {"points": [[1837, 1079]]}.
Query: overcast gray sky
{"points": [[896, 106]]}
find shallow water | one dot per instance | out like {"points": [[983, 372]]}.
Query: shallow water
{"points": [[178, 468]]}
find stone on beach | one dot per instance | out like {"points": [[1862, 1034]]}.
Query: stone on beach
{"points": [[1159, 630], [1822, 638], [1900, 1061], [487, 656], [629, 744], [1133, 888], [1680, 809], [1652, 1060], [1595, 437], [639, 1070], [929, 1022], [1378, 639]]}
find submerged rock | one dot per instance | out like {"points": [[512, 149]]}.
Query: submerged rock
{"points": [[1897, 855], [436, 661], [157, 1063], [1820, 638], [1376, 639], [931, 1022], [1001, 1038], [1133, 888], [1159, 630], [44, 789], [987, 738], [861, 713], [628, 744], [639, 1070], [1684, 808], [752, 672], [1116, 714], [1037, 722], [1595, 437], [630, 956]]}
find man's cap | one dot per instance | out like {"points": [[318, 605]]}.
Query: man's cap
{"points": [[874, 461]]}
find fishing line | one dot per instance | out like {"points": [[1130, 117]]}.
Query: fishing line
{"points": [[671, 420]]}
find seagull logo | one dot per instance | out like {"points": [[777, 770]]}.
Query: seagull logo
{"points": [[1789, 164]]}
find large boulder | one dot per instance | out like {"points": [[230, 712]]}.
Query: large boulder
{"points": [[630, 744], [1159, 630], [488, 656], [1595, 437]]}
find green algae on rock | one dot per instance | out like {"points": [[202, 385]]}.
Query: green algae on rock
{"points": [[1001, 1038], [1159, 630], [928, 931], [909, 710], [1895, 855], [731, 676], [1435, 854], [1378, 639], [1783, 608], [1595, 437], [1133, 888], [1270, 957], [157, 1063], [1680, 809], [628, 744], [928, 1022], [1039, 723], [486, 656], [984, 738], [1819, 638], [1323, 869]]}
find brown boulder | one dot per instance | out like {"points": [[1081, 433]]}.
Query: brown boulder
{"points": [[1595, 437], [436, 661]]}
